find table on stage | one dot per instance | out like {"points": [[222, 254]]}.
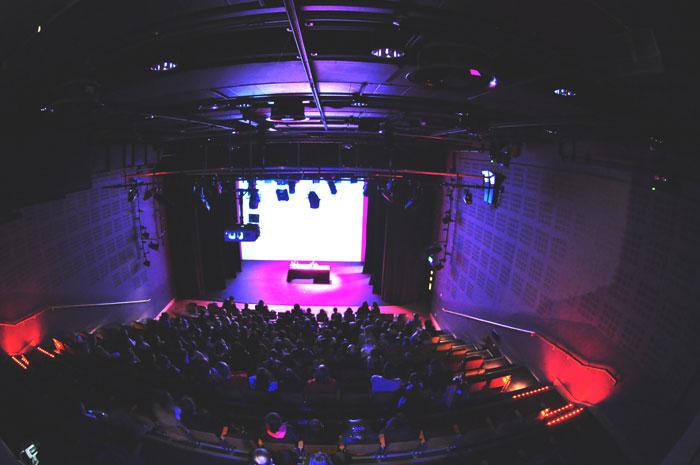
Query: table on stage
{"points": [[321, 274]]}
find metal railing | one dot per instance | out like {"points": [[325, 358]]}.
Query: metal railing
{"points": [[72, 306], [542, 337]]}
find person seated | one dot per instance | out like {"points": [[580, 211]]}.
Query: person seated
{"points": [[335, 316], [321, 384], [388, 382], [275, 429], [415, 395], [322, 316], [398, 428], [262, 381], [289, 381]]}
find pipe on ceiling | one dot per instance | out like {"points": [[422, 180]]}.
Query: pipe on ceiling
{"points": [[306, 62]]}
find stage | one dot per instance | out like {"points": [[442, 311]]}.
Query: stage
{"points": [[267, 280]]}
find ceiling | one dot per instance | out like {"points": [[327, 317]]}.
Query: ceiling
{"points": [[87, 67]]}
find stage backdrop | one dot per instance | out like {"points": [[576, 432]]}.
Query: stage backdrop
{"points": [[292, 230]]}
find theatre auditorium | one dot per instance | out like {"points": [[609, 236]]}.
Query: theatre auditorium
{"points": [[332, 232]]}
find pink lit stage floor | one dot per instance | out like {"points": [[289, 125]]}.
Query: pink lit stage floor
{"points": [[267, 280]]}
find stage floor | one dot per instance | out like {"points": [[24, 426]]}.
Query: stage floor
{"points": [[267, 280]]}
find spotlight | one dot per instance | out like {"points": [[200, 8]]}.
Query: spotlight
{"points": [[433, 257], [163, 66], [331, 186], [282, 195], [203, 198], [403, 193], [153, 246], [467, 197], [292, 186], [358, 101], [254, 199], [493, 83], [388, 53], [493, 187], [314, 200], [564, 92], [133, 193]]}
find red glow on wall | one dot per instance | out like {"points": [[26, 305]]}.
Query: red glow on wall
{"points": [[20, 337], [582, 384]]}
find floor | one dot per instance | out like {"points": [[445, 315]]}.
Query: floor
{"points": [[267, 280]]}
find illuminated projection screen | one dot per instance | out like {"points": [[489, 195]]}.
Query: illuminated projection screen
{"points": [[291, 230]]}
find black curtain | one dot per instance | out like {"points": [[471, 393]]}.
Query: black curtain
{"points": [[396, 243], [201, 260]]}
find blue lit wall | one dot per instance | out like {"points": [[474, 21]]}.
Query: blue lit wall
{"points": [[584, 251]]}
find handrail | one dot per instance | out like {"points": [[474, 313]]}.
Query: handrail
{"points": [[64, 307], [544, 338]]}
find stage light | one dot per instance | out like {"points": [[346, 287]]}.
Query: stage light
{"points": [[163, 66], [292, 186], [474, 72], [133, 193], [203, 198], [314, 200], [254, 199], [564, 92], [467, 197], [403, 193], [493, 83], [493, 187], [358, 101], [282, 195], [388, 53], [433, 257], [331, 186]]}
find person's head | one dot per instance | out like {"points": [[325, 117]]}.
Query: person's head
{"points": [[321, 374], [273, 422], [188, 406], [222, 370], [263, 377], [261, 456], [320, 458], [389, 370]]}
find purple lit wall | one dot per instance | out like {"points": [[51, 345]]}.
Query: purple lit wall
{"points": [[80, 249], [591, 256], [291, 230]]}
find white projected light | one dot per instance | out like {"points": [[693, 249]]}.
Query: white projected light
{"points": [[291, 230]]}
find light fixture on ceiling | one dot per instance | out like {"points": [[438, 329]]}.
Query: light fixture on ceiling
{"points": [[38, 29], [564, 92], [388, 53], [493, 83], [243, 105], [358, 101], [163, 66]]}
